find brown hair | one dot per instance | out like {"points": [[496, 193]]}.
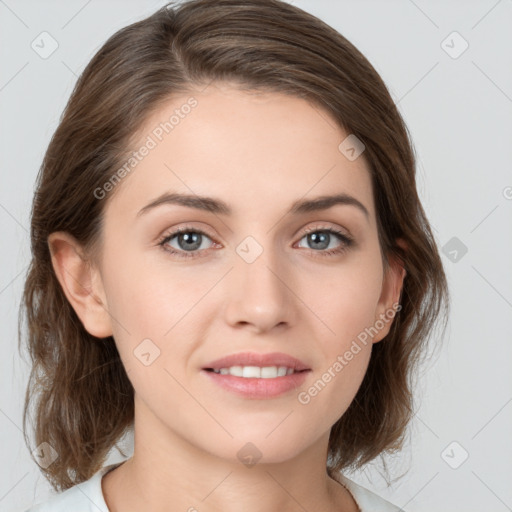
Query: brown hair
{"points": [[84, 399]]}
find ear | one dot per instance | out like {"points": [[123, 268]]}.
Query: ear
{"points": [[81, 283], [391, 290]]}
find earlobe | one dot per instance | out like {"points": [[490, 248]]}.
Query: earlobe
{"points": [[81, 283], [390, 296]]}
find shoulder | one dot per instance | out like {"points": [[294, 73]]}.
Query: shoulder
{"points": [[367, 500], [84, 497]]}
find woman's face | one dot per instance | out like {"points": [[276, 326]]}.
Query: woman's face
{"points": [[250, 279]]}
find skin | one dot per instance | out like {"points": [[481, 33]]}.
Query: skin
{"points": [[258, 153]]}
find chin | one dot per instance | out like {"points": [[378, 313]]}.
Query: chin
{"points": [[258, 447]]}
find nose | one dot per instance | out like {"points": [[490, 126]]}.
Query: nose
{"points": [[258, 294]]}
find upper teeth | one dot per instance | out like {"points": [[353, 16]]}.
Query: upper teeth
{"points": [[267, 372]]}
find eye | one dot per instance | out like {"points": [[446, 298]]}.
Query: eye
{"points": [[321, 238], [188, 239]]}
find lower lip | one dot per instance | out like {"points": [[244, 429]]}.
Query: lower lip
{"points": [[258, 388]]}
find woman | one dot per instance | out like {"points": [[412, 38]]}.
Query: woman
{"points": [[230, 258]]}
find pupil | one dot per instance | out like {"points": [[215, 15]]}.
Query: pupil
{"points": [[319, 238], [190, 238]]}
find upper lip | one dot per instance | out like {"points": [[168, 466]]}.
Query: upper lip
{"points": [[255, 359]]}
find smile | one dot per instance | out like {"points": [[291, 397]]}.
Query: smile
{"points": [[255, 372]]}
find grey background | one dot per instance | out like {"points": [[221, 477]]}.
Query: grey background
{"points": [[459, 113]]}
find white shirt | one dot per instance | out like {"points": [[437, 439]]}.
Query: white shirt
{"points": [[88, 497]]}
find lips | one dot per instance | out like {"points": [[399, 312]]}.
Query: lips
{"points": [[255, 359]]}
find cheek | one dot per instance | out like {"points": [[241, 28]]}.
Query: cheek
{"points": [[344, 298], [347, 312], [152, 302], [148, 297]]}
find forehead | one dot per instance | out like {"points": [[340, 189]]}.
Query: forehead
{"points": [[252, 149]]}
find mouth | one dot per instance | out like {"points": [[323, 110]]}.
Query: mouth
{"points": [[256, 372], [257, 376], [254, 365]]}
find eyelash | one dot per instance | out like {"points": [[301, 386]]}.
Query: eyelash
{"points": [[347, 241]]}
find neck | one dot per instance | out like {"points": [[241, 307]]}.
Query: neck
{"points": [[167, 472]]}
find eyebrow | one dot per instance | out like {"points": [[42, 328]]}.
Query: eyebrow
{"points": [[217, 206]]}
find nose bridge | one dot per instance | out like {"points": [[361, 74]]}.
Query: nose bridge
{"points": [[258, 292]]}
